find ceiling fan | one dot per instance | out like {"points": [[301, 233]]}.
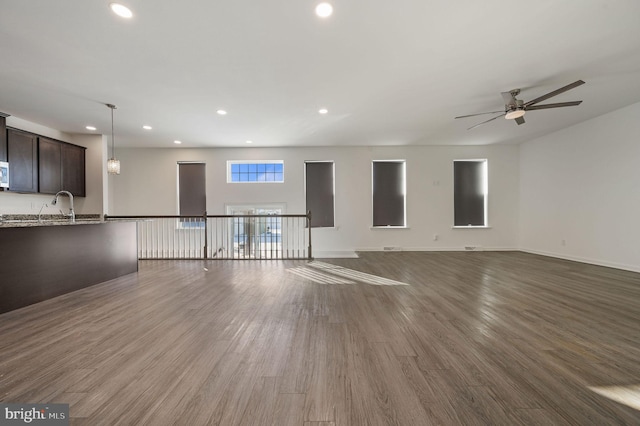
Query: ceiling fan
{"points": [[514, 109]]}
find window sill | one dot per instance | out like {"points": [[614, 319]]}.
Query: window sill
{"points": [[256, 181], [388, 227], [471, 227]]}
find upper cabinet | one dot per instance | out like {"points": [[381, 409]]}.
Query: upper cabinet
{"points": [[61, 167], [49, 164], [22, 153], [73, 169], [40, 164], [3, 137]]}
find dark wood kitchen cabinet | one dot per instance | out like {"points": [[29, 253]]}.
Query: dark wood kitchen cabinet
{"points": [[22, 153], [73, 169], [50, 166], [3, 137], [61, 167], [40, 164], [42, 262]]}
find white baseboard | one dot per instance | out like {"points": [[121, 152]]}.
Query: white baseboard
{"points": [[632, 268], [396, 249]]}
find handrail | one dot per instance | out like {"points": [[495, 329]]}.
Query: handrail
{"points": [[222, 216]]}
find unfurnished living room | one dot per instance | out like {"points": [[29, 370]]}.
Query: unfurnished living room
{"points": [[319, 213]]}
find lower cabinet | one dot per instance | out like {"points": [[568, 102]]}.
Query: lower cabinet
{"points": [[42, 262]]}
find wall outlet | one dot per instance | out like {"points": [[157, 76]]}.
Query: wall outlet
{"points": [[435, 237], [563, 242]]}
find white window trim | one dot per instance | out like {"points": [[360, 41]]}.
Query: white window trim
{"points": [[231, 162]]}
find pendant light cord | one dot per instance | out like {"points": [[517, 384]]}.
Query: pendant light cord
{"points": [[113, 141]]}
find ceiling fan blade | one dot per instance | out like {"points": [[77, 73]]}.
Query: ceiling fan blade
{"points": [[555, 92], [491, 119], [558, 105], [519, 120], [480, 113]]}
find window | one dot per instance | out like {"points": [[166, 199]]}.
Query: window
{"points": [[255, 171], [470, 192], [192, 196], [319, 192], [389, 189]]}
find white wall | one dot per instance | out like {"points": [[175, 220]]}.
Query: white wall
{"points": [[14, 203], [580, 185], [148, 185], [577, 185], [95, 173]]}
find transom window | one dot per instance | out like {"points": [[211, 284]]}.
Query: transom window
{"points": [[255, 171]]}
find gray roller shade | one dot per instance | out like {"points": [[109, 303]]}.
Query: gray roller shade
{"points": [[388, 193], [319, 193], [468, 193], [192, 189]]}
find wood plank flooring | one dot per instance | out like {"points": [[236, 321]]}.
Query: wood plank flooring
{"points": [[480, 338]]}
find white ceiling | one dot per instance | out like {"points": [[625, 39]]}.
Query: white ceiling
{"points": [[390, 72]]}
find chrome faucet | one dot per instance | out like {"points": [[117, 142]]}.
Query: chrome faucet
{"points": [[72, 213]]}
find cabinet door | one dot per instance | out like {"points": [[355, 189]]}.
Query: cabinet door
{"points": [[22, 153], [49, 161], [3, 138], [73, 169]]}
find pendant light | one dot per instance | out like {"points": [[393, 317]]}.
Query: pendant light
{"points": [[113, 165]]}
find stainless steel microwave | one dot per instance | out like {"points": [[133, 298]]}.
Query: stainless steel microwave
{"points": [[4, 174]]}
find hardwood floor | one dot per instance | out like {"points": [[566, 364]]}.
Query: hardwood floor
{"points": [[480, 338]]}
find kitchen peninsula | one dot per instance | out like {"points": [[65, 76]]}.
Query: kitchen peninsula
{"points": [[42, 260]]}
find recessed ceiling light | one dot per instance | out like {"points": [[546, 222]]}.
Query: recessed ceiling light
{"points": [[324, 10], [221, 112], [121, 10], [249, 142], [323, 111], [90, 128], [177, 142], [147, 127]]}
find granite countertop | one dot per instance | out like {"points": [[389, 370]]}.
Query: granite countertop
{"points": [[27, 220]]}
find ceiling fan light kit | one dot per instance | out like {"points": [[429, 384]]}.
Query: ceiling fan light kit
{"points": [[514, 109], [514, 113]]}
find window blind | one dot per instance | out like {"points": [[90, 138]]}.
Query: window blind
{"points": [[388, 193], [319, 178], [469, 193], [192, 189]]}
